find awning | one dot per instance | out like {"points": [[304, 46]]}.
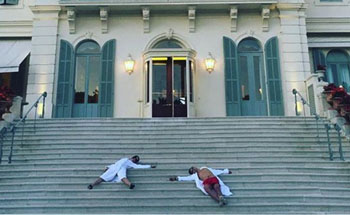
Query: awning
{"points": [[12, 53]]}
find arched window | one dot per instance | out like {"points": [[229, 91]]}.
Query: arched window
{"points": [[338, 68], [88, 47], [249, 45], [168, 44]]}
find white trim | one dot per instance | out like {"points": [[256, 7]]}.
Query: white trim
{"points": [[328, 42], [319, 3], [164, 36]]}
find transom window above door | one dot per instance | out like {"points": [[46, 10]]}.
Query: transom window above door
{"points": [[167, 44]]}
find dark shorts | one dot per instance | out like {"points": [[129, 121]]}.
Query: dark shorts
{"points": [[211, 181]]}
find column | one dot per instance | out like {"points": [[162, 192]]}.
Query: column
{"points": [[43, 56]]}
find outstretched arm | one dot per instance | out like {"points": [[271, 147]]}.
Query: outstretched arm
{"points": [[186, 178], [140, 166], [219, 171]]}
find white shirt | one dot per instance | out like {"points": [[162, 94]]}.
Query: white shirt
{"points": [[225, 190], [117, 171]]}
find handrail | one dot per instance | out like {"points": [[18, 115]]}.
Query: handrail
{"points": [[22, 120], [2, 135], [325, 123]]}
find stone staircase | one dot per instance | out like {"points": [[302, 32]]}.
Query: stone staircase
{"points": [[277, 163]]}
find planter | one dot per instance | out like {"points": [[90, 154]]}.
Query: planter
{"points": [[337, 102], [5, 108]]}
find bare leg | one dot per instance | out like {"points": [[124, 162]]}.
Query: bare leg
{"points": [[98, 181], [128, 183], [211, 192], [217, 189], [221, 197]]}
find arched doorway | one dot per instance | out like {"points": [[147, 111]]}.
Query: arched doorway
{"points": [[86, 79], [338, 68], [169, 79], [251, 78]]}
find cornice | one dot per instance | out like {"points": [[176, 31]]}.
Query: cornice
{"points": [[12, 23], [161, 2], [45, 8], [331, 20]]}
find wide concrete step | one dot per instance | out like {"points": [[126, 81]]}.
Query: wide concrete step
{"points": [[167, 162], [179, 171], [135, 177], [186, 208], [171, 201], [233, 184], [178, 192]]}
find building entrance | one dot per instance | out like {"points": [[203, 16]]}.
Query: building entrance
{"points": [[169, 97]]}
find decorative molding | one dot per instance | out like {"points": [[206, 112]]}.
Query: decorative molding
{"points": [[328, 25], [170, 34], [164, 2], [88, 35], [233, 16], [265, 15], [104, 19], [146, 16], [71, 15], [192, 19]]}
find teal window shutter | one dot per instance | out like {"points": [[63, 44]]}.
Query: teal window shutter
{"points": [[318, 58], [231, 79], [274, 77], [63, 108], [2, 2], [107, 79], [12, 2]]}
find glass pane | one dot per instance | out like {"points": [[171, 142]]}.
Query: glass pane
{"points": [[191, 81], [147, 82], [88, 47], [244, 77], [337, 57], [249, 45], [179, 90], [94, 79], [159, 88], [334, 74], [258, 87], [79, 86], [167, 44]]}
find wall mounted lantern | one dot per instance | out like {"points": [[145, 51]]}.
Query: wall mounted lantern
{"points": [[210, 63], [129, 65]]}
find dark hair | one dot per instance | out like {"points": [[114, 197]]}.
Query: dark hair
{"points": [[191, 170], [136, 158]]}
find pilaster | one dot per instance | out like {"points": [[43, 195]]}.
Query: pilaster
{"points": [[43, 56], [295, 65]]}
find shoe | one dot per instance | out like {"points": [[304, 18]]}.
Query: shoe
{"points": [[222, 201], [132, 186], [90, 187]]}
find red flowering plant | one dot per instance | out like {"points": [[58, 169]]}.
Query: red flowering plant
{"points": [[6, 96], [339, 99]]}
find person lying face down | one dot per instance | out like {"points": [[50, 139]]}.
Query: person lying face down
{"points": [[117, 172], [208, 181]]}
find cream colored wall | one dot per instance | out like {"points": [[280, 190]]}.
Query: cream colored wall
{"points": [[128, 32], [16, 20], [328, 17]]}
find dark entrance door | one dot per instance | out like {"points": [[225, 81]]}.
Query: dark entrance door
{"points": [[168, 87]]}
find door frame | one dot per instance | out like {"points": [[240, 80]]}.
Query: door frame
{"points": [[189, 54], [86, 85]]}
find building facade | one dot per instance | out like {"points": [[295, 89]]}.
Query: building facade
{"points": [[175, 58]]}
